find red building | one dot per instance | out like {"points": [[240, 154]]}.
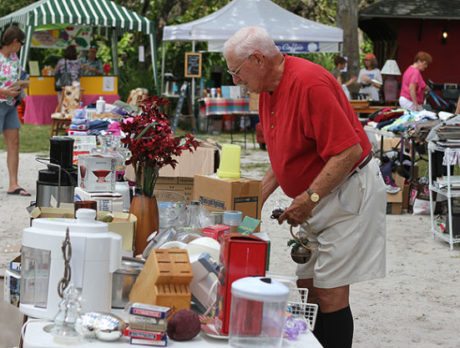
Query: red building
{"points": [[399, 29]]}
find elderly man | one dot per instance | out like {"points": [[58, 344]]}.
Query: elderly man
{"points": [[90, 65], [321, 157]]}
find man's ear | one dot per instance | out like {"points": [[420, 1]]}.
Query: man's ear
{"points": [[260, 58]]}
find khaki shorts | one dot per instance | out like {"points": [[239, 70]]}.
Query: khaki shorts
{"points": [[348, 232]]}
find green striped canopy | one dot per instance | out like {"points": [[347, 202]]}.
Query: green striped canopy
{"points": [[101, 13]]}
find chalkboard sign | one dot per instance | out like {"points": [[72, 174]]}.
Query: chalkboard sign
{"points": [[192, 64]]}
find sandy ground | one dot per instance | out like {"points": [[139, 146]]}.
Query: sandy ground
{"points": [[416, 304]]}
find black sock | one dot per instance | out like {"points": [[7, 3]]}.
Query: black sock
{"points": [[319, 330], [335, 329]]}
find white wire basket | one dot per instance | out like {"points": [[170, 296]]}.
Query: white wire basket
{"points": [[299, 308]]}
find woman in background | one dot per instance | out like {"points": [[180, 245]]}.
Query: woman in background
{"points": [[370, 78], [340, 64], [12, 40], [413, 87], [70, 63]]}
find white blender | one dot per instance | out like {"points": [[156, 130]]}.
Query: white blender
{"points": [[96, 254]]}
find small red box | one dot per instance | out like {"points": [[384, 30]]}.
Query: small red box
{"points": [[240, 256], [215, 231]]}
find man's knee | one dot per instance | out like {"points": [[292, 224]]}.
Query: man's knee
{"points": [[331, 300]]}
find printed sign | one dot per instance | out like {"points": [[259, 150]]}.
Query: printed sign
{"points": [[61, 38], [297, 47]]}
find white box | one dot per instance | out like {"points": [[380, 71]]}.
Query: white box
{"points": [[106, 201], [235, 92], [11, 284], [96, 172], [83, 144]]}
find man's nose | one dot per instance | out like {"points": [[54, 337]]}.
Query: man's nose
{"points": [[235, 79]]}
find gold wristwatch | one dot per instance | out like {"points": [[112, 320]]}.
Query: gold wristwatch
{"points": [[314, 197]]}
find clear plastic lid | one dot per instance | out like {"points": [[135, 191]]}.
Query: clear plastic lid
{"points": [[260, 289], [232, 217]]}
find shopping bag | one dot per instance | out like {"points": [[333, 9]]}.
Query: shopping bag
{"points": [[62, 79]]}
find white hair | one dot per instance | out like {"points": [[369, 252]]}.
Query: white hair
{"points": [[249, 39]]}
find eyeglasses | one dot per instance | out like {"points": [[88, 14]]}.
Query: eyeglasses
{"points": [[237, 70]]}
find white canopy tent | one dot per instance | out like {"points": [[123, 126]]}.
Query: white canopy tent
{"points": [[291, 33]]}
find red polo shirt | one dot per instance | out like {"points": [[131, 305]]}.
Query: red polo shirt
{"points": [[306, 121]]}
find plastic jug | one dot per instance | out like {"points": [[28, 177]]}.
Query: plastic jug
{"points": [[100, 105], [257, 312], [230, 161]]}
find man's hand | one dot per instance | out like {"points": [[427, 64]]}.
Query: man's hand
{"points": [[299, 210]]}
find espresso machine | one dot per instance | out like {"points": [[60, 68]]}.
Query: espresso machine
{"points": [[58, 181]]}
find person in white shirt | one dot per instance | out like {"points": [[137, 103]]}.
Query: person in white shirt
{"points": [[370, 78]]}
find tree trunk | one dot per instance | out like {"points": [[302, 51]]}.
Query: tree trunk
{"points": [[347, 19]]}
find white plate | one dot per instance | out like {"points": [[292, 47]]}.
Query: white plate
{"points": [[173, 244], [204, 245], [210, 330]]}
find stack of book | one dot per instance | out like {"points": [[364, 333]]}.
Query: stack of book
{"points": [[147, 325]]}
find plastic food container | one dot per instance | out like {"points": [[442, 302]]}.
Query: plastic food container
{"points": [[232, 218], [257, 312]]}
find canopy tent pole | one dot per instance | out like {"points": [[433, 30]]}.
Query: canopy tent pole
{"points": [[29, 29], [153, 49], [163, 68], [193, 85], [115, 51]]}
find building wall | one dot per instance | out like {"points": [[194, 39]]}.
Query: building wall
{"points": [[415, 35]]}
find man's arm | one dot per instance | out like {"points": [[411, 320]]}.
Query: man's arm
{"points": [[333, 174], [269, 184]]}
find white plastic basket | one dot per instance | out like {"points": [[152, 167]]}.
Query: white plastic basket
{"points": [[298, 306]]}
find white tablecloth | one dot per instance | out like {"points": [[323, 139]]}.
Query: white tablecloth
{"points": [[35, 337]]}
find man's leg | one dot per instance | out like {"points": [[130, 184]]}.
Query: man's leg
{"points": [[12, 159], [334, 323]]}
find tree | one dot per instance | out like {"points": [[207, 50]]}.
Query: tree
{"points": [[347, 19]]}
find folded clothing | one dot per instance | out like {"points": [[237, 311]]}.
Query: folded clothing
{"points": [[79, 126], [79, 120], [76, 132]]}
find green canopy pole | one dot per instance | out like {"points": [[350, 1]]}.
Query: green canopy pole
{"points": [[115, 51], [153, 48], [29, 30]]}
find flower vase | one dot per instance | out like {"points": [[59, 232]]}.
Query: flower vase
{"points": [[146, 210]]}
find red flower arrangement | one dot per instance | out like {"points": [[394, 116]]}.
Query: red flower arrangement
{"points": [[150, 139]]}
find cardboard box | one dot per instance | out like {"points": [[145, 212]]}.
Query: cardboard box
{"points": [[240, 256], [180, 185], [123, 224], [217, 194], [394, 208], [253, 101], [390, 143], [204, 160], [395, 197], [201, 161]]}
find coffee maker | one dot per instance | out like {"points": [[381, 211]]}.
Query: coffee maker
{"points": [[60, 178]]}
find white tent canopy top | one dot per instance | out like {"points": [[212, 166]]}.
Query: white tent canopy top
{"points": [[288, 30]]}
